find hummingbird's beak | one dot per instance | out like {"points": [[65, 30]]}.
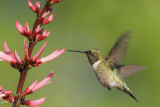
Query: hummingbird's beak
{"points": [[77, 51]]}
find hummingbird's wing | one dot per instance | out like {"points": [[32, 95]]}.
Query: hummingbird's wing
{"points": [[119, 49], [127, 70]]}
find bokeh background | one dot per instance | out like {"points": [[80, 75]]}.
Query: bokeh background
{"points": [[82, 25]]}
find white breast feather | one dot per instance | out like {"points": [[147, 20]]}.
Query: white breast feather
{"points": [[95, 65], [113, 84]]}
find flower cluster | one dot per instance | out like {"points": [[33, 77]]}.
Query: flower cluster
{"points": [[7, 95], [23, 65], [18, 63]]}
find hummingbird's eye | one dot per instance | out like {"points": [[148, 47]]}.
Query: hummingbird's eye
{"points": [[90, 52]]}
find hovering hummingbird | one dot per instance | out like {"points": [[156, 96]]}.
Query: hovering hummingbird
{"points": [[107, 71]]}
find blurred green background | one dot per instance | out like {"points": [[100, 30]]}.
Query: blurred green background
{"points": [[82, 25]]}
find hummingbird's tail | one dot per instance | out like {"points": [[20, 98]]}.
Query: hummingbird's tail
{"points": [[130, 93]]}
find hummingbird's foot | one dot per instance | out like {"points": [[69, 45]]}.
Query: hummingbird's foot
{"points": [[109, 88]]}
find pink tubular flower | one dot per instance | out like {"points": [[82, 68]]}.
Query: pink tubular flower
{"points": [[36, 30], [43, 36], [43, 82], [8, 92], [34, 58], [1, 89], [5, 94], [38, 7], [47, 12], [20, 28], [48, 20], [31, 6], [25, 31], [7, 58], [19, 60], [36, 86], [7, 55], [7, 51], [29, 89], [1, 92], [50, 57], [28, 31], [33, 103]]}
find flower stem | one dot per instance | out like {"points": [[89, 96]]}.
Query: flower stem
{"points": [[18, 96], [23, 71], [39, 17], [30, 48]]}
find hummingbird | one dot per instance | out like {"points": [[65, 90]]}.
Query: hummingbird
{"points": [[108, 72]]}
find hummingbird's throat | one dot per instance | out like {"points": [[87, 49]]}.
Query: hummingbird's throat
{"points": [[92, 59], [95, 65]]}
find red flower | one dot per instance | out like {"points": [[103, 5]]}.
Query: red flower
{"points": [[5, 94], [17, 62], [36, 86], [24, 64], [33, 103], [48, 19], [36, 9], [8, 58]]}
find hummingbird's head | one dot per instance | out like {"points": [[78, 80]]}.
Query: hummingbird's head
{"points": [[93, 55]]}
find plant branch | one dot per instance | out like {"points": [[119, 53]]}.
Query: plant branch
{"points": [[24, 69], [18, 96], [30, 48], [39, 18]]}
